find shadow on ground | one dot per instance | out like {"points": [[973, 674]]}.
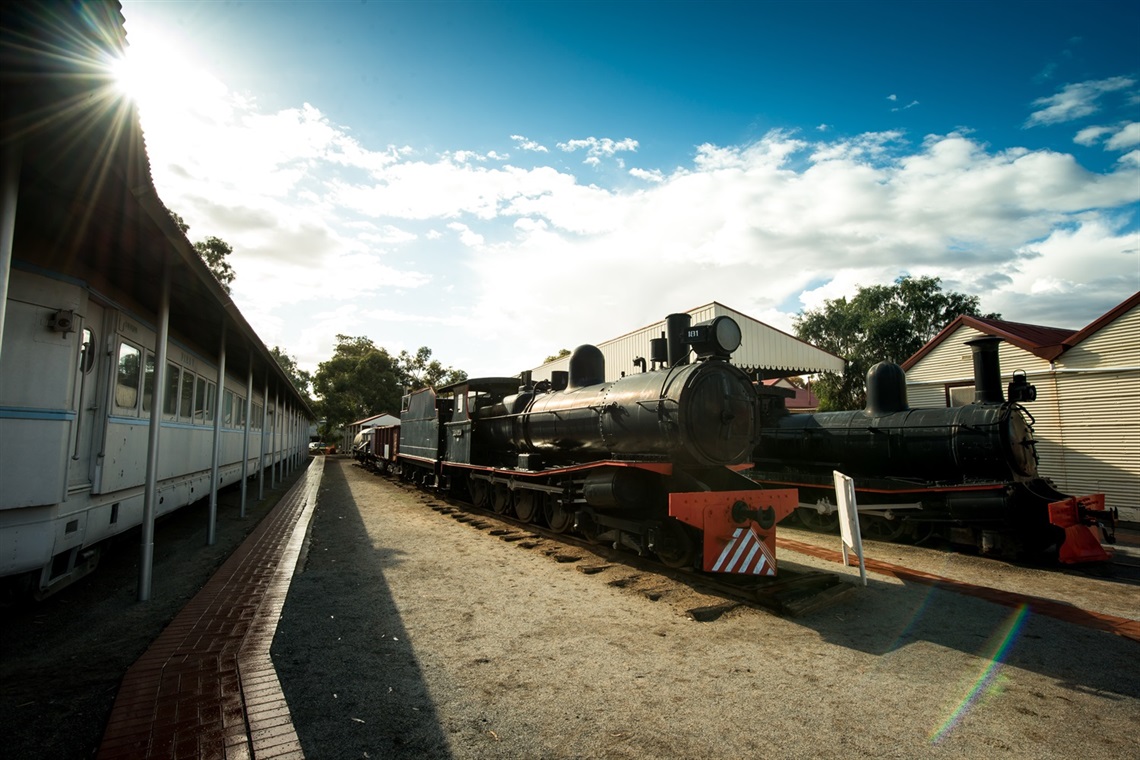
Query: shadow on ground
{"points": [[347, 667]]}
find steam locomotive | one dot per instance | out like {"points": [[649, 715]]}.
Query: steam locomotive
{"points": [[968, 473], [649, 461]]}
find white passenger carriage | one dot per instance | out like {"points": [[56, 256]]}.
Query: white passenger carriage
{"points": [[130, 385]]}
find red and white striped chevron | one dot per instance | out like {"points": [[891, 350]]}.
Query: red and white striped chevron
{"points": [[745, 554]]}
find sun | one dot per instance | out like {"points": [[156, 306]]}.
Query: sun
{"points": [[149, 65], [157, 74]]}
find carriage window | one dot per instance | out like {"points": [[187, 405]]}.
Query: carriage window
{"points": [[239, 412], [200, 402], [186, 404], [211, 393], [257, 412], [228, 409], [170, 399], [87, 351], [148, 383], [127, 379]]}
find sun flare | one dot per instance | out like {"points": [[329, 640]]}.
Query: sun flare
{"points": [[157, 74]]}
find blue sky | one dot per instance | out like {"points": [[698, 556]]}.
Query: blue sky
{"points": [[501, 180]]}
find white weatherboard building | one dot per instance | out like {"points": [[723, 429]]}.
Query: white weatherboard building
{"points": [[764, 350], [1087, 412]]}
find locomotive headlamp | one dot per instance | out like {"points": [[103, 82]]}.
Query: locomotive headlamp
{"points": [[717, 338]]}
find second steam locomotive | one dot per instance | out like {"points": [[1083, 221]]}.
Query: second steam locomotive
{"points": [[967, 472]]}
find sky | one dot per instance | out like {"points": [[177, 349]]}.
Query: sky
{"points": [[501, 180]]}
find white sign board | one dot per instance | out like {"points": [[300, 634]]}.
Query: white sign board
{"points": [[849, 521]]}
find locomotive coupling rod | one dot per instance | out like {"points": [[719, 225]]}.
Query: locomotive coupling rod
{"points": [[765, 517], [517, 485]]}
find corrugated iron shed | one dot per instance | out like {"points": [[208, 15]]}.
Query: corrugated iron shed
{"points": [[764, 351]]}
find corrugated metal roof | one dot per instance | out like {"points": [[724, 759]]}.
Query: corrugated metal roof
{"points": [[1107, 318], [1039, 340], [763, 348]]}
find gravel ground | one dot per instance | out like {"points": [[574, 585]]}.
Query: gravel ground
{"points": [[61, 660], [408, 634]]}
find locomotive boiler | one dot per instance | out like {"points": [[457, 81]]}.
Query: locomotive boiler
{"points": [[648, 461], [968, 472]]}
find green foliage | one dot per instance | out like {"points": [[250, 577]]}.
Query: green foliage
{"points": [[182, 225], [362, 379], [419, 372], [557, 356], [881, 323], [359, 380], [300, 378], [213, 251]]}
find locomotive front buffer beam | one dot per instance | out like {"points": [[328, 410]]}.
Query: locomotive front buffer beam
{"points": [[739, 527]]}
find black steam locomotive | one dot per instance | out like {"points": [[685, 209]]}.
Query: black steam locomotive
{"points": [[649, 461], [968, 473]]}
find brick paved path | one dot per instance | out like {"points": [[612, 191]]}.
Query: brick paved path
{"points": [[206, 688]]}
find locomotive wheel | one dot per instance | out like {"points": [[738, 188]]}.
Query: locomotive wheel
{"points": [[880, 528], [818, 521], [558, 517], [528, 506], [501, 499], [675, 546], [480, 491], [588, 529]]}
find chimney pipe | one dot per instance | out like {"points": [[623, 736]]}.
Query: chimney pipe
{"points": [[987, 370], [676, 325]]}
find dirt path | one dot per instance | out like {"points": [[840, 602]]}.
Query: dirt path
{"points": [[408, 634]]}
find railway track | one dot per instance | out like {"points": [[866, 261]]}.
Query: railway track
{"points": [[791, 593]]}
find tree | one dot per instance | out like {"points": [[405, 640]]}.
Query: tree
{"points": [[418, 372], [881, 323], [359, 380], [213, 251], [300, 378], [557, 356]]}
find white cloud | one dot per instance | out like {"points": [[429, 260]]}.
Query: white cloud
{"points": [[1091, 135], [467, 236], [496, 266], [1127, 137], [525, 144], [1075, 101], [596, 148], [654, 175]]}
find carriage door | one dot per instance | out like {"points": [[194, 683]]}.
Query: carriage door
{"points": [[87, 400]]}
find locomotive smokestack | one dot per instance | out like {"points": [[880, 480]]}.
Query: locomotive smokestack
{"points": [[676, 325], [987, 370]]}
